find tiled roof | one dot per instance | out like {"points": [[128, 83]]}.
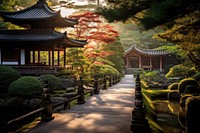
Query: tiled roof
{"points": [[29, 35], [39, 13], [68, 42], [146, 51], [38, 36]]}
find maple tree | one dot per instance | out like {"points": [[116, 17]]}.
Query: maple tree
{"points": [[98, 34]]}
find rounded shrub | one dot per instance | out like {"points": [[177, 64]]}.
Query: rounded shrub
{"points": [[7, 76], [100, 69], [192, 114], [53, 82], [173, 95], [197, 76], [178, 71], [26, 85], [173, 86], [185, 82], [190, 89]]}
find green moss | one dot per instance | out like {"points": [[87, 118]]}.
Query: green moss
{"points": [[156, 94], [149, 107], [26, 85]]}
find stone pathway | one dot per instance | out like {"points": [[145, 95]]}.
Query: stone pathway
{"points": [[108, 112]]}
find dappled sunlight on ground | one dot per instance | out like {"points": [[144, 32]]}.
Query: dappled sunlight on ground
{"points": [[108, 112]]}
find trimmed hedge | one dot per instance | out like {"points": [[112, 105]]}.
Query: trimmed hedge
{"points": [[192, 114], [197, 76], [173, 86], [7, 76], [185, 82], [26, 85], [54, 82]]}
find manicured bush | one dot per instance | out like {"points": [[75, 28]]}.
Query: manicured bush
{"points": [[53, 82], [66, 83], [100, 69], [7, 76], [185, 82], [153, 74], [173, 86], [197, 76], [179, 71], [26, 85], [190, 89], [173, 95], [192, 114], [139, 71]]}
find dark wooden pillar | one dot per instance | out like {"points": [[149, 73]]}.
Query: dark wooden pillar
{"points": [[38, 56], [150, 60], [52, 57], [33, 57], [49, 54], [81, 99], [19, 56], [0, 57], [161, 64], [58, 57], [64, 56]]}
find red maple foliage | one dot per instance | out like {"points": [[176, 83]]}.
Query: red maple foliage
{"points": [[97, 33]]}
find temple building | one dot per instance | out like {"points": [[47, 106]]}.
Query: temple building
{"points": [[148, 59], [37, 46]]}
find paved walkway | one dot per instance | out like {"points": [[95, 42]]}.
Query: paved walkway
{"points": [[108, 112]]}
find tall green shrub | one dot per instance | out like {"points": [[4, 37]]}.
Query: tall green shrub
{"points": [[7, 76], [26, 85]]}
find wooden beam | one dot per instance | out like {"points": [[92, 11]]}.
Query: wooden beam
{"points": [[161, 64]]}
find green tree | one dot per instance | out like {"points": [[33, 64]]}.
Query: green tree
{"points": [[117, 58], [98, 35], [180, 19], [149, 12]]}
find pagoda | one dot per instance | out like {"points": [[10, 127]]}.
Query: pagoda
{"points": [[148, 59], [25, 48]]}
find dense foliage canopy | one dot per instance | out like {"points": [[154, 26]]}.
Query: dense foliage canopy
{"points": [[179, 18]]}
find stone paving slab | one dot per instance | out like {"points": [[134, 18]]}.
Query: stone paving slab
{"points": [[108, 112]]}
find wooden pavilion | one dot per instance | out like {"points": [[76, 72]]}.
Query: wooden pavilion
{"points": [[148, 59], [38, 48]]}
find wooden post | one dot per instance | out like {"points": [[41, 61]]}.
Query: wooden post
{"points": [[64, 52], [139, 123], [150, 63], [46, 115], [110, 80], [161, 64], [96, 85], [104, 82], [81, 99]]}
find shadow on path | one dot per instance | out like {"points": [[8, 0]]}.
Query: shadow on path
{"points": [[108, 112]]}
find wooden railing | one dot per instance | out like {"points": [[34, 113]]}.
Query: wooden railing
{"points": [[38, 69], [47, 108], [139, 124]]}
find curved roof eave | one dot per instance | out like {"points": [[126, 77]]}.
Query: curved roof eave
{"points": [[38, 13], [26, 36], [40, 10], [146, 52], [68, 42]]}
